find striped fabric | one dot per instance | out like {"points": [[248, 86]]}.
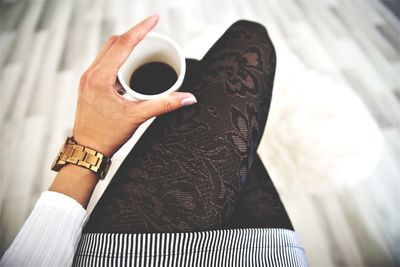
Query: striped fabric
{"points": [[236, 247]]}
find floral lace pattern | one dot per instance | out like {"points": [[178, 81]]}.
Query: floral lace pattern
{"points": [[245, 137], [187, 170], [259, 204]]}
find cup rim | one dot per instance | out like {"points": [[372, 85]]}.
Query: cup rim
{"points": [[137, 96]]}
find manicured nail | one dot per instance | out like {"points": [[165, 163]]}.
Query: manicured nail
{"points": [[189, 101], [155, 16]]}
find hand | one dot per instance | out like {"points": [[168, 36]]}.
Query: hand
{"points": [[104, 119]]}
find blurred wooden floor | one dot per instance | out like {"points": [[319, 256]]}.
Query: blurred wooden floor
{"points": [[46, 45]]}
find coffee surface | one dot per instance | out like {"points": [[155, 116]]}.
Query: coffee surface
{"points": [[153, 78]]}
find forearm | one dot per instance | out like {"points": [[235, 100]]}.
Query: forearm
{"points": [[75, 182], [52, 231], [50, 235]]}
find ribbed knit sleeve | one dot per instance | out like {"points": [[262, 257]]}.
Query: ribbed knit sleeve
{"points": [[50, 235]]}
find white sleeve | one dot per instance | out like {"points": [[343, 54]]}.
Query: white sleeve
{"points": [[50, 235]]}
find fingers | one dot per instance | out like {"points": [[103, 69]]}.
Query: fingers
{"points": [[162, 105], [104, 50], [123, 45]]}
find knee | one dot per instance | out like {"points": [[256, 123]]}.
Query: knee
{"points": [[250, 27], [254, 32], [248, 24]]}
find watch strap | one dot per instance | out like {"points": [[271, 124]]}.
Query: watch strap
{"points": [[79, 155]]}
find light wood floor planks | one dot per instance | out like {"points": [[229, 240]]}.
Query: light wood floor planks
{"points": [[46, 45]]}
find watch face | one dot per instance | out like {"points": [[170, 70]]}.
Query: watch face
{"points": [[56, 166], [106, 168]]}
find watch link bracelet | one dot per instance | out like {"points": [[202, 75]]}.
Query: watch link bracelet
{"points": [[82, 156]]}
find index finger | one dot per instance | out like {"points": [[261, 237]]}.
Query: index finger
{"points": [[125, 43]]}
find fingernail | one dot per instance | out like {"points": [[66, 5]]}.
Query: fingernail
{"points": [[189, 101], [155, 16]]}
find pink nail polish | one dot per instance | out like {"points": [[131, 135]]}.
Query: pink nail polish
{"points": [[188, 101]]}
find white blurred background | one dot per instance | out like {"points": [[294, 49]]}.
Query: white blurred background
{"points": [[332, 143]]}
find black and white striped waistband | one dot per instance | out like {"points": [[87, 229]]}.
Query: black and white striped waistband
{"points": [[235, 247]]}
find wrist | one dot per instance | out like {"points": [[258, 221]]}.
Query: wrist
{"points": [[75, 182]]}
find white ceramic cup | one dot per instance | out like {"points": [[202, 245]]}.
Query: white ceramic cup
{"points": [[155, 47]]}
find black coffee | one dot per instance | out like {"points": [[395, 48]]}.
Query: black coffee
{"points": [[153, 78]]}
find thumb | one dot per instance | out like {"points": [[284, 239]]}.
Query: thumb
{"points": [[165, 104]]}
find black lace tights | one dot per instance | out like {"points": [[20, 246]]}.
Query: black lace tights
{"points": [[197, 168]]}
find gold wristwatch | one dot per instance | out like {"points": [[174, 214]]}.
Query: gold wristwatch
{"points": [[82, 156]]}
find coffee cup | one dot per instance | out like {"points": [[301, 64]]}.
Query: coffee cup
{"points": [[157, 61]]}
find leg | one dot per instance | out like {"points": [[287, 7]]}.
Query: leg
{"points": [[259, 204], [186, 171]]}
